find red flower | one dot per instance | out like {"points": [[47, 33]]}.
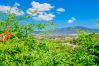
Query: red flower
{"points": [[0, 35], [7, 36]]}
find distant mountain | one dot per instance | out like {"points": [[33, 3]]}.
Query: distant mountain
{"points": [[72, 30]]}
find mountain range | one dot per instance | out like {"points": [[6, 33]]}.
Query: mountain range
{"points": [[72, 30]]}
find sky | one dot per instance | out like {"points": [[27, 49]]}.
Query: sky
{"points": [[64, 13]]}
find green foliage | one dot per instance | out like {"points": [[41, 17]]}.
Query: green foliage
{"points": [[89, 47], [22, 49]]}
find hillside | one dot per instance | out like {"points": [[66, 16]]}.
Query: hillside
{"points": [[72, 30]]}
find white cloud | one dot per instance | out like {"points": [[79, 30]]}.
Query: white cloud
{"points": [[40, 11], [38, 8], [41, 7], [60, 10], [14, 10], [34, 12], [16, 4], [45, 17], [73, 19]]}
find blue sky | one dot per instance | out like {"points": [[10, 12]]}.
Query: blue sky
{"points": [[74, 13]]}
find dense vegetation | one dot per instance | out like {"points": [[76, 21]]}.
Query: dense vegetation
{"points": [[18, 47]]}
